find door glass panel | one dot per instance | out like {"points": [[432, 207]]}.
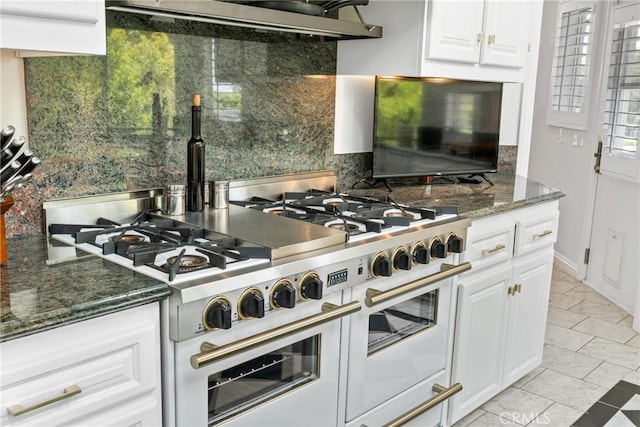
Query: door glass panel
{"points": [[244, 386], [400, 321]]}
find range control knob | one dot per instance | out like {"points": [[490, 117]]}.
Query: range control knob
{"points": [[217, 314], [381, 266], [251, 304], [454, 243], [283, 294], [419, 254], [310, 286], [437, 248], [401, 259]]}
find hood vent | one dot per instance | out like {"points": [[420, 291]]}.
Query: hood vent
{"points": [[261, 18]]}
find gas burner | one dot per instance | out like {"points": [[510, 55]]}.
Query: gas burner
{"points": [[352, 229], [187, 263], [128, 238], [397, 214], [279, 212]]}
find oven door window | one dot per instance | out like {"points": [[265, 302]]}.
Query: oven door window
{"points": [[400, 321], [249, 384]]}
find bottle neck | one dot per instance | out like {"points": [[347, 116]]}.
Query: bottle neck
{"points": [[195, 122]]}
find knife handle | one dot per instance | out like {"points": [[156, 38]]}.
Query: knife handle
{"points": [[29, 165], [10, 171], [6, 155], [5, 136]]}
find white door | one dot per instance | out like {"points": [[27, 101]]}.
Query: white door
{"points": [[614, 253]]}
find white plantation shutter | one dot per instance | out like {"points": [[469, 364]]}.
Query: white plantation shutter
{"points": [[622, 100], [571, 63]]}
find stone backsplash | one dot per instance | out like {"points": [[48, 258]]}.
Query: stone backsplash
{"points": [[120, 122]]}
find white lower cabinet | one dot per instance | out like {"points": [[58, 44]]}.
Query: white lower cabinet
{"points": [[101, 372], [502, 304]]}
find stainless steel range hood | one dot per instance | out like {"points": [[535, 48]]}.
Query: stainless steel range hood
{"points": [[242, 15]]}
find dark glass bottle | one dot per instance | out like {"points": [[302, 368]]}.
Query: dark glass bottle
{"points": [[195, 161]]}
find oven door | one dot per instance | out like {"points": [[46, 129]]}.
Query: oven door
{"points": [[286, 375], [399, 338]]}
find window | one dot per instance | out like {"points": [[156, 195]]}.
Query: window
{"points": [[621, 118], [571, 62]]}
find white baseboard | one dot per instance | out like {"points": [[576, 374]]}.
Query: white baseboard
{"points": [[565, 265]]}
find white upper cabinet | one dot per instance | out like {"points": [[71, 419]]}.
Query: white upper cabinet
{"points": [[62, 26], [455, 31], [472, 39]]}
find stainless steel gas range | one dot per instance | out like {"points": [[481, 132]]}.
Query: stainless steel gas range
{"points": [[296, 305]]}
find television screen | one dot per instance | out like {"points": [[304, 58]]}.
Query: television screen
{"points": [[435, 126]]}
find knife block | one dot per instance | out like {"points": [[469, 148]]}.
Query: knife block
{"points": [[4, 207]]}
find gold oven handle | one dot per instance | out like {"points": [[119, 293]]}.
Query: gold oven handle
{"points": [[18, 409], [211, 353], [443, 394], [375, 297]]}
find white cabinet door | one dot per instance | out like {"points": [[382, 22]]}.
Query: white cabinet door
{"points": [[479, 339], [527, 307], [506, 33], [66, 26], [455, 30]]}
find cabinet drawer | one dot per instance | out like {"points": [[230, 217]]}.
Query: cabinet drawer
{"points": [[71, 374], [534, 233], [492, 245]]}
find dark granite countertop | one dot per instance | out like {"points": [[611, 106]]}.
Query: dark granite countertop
{"points": [[35, 297], [473, 200]]}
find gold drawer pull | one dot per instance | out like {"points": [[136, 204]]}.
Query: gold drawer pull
{"points": [[490, 251], [443, 394], [212, 353], [375, 296], [16, 410], [544, 233]]}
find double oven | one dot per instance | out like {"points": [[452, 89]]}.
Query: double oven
{"points": [[334, 329], [369, 348]]}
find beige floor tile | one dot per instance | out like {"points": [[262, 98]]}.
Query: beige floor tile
{"points": [[606, 330], [558, 415], [627, 321], [517, 405], [564, 389], [568, 362], [491, 420], [563, 285], [635, 341], [566, 338], [469, 418], [619, 354], [632, 377], [564, 318], [609, 312], [531, 375], [607, 374], [586, 293], [562, 300]]}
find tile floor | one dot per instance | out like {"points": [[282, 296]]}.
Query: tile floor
{"points": [[589, 348]]}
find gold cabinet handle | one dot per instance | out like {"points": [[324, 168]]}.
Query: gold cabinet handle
{"points": [[18, 409], [517, 288], [211, 353], [544, 233], [491, 39], [510, 290], [443, 394], [490, 251], [375, 297], [480, 37]]}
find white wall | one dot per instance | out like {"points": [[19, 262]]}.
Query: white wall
{"points": [[553, 157], [13, 107]]}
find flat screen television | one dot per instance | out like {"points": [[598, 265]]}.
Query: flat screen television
{"points": [[435, 127]]}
